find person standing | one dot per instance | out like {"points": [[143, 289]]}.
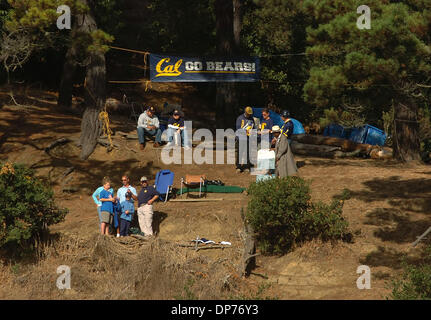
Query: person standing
{"points": [[127, 210], [96, 199], [107, 209], [146, 198], [244, 124], [121, 192], [285, 164], [287, 128], [265, 129], [148, 125], [121, 196]]}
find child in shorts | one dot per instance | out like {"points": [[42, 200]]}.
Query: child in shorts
{"points": [[107, 209]]}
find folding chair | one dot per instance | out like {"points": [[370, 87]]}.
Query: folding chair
{"points": [[164, 183], [193, 181]]}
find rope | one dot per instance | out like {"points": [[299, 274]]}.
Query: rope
{"points": [[145, 53], [104, 117], [129, 50], [148, 83], [121, 81]]}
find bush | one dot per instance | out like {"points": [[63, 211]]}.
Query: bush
{"points": [[416, 281], [27, 207], [282, 214]]}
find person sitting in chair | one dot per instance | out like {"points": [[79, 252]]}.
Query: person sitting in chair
{"points": [[148, 125]]}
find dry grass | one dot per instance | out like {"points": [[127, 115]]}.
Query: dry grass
{"points": [[125, 268]]}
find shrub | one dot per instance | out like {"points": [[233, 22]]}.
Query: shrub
{"points": [[415, 283], [282, 214], [27, 207]]}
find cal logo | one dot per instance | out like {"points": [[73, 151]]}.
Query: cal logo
{"points": [[164, 69]]}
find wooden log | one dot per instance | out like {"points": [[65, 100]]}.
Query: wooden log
{"points": [[57, 143], [248, 262], [314, 150], [421, 237], [344, 144], [381, 153], [128, 135]]}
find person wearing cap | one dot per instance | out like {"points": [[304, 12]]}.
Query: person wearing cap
{"points": [[146, 198], [176, 126], [127, 210], [244, 124], [148, 125], [287, 128], [285, 164]]}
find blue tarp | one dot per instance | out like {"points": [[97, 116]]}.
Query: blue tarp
{"points": [[365, 134]]}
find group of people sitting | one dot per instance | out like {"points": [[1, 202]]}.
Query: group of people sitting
{"points": [[149, 125], [116, 211]]}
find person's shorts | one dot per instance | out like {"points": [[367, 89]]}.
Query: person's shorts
{"points": [[107, 217]]}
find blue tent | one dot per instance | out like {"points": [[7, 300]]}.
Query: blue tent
{"points": [[297, 126]]}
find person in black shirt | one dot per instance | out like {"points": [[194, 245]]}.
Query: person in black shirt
{"points": [[176, 126], [244, 124], [146, 198]]}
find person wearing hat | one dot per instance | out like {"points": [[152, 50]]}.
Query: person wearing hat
{"points": [[148, 125], [285, 164], [176, 126], [287, 128], [244, 124], [275, 130], [146, 198]]}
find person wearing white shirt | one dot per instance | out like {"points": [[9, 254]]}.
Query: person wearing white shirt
{"points": [[148, 125]]}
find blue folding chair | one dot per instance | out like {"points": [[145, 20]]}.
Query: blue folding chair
{"points": [[164, 182]]}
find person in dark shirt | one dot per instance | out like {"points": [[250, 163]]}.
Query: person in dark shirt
{"points": [[287, 128], [176, 126], [146, 198], [244, 125], [266, 125]]}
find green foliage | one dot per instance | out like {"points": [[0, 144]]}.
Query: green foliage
{"points": [[415, 283], [366, 64], [27, 206], [4, 13], [282, 214], [344, 118], [273, 30]]}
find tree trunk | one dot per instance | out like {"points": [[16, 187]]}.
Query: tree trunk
{"points": [[237, 23], [406, 128], [66, 83], [344, 144], [248, 262], [226, 106], [95, 97], [95, 82]]}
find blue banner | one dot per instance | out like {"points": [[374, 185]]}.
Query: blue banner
{"points": [[181, 69]]}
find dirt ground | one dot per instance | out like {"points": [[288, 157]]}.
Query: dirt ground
{"points": [[389, 206]]}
